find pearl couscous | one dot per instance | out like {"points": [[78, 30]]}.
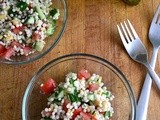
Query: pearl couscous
{"points": [[81, 97], [24, 25]]}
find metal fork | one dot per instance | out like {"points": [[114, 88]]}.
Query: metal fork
{"points": [[135, 48], [154, 37]]}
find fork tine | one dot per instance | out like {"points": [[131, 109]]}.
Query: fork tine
{"points": [[122, 36], [157, 15], [130, 35], [133, 30], [125, 33]]}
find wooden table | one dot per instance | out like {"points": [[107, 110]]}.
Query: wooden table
{"points": [[91, 28]]}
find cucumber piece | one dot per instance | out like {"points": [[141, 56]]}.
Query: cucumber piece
{"points": [[61, 94], [107, 114], [39, 45], [30, 20], [51, 98], [52, 26], [91, 96], [40, 13], [50, 30], [51, 21], [107, 94]]}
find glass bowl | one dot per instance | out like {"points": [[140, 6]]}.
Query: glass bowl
{"points": [[51, 41], [123, 103]]}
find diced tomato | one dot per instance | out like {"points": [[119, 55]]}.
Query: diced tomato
{"points": [[49, 86], [83, 74], [36, 36], [27, 50], [15, 43], [47, 114], [16, 30], [76, 112], [93, 118], [2, 50], [9, 52], [66, 101], [93, 87], [87, 116]]}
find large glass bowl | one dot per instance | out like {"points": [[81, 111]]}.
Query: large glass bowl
{"points": [[123, 103], [51, 42]]}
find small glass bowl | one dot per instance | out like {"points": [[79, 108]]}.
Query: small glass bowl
{"points": [[123, 103], [51, 41]]}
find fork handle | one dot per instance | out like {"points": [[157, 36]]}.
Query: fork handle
{"points": [[142, 106], [153, 75]]}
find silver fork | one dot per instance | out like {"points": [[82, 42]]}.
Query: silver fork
{"points": [[154, 37], [135, 48]]}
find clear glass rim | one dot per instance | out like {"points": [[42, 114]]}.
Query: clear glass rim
{"points": [[125, 82], [52, 46]]}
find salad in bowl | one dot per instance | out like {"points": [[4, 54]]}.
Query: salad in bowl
{"points": [[29, 28], [81, 97]]}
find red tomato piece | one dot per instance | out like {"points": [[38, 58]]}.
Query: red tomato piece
{"points": [[77, 112], [93, 117], [16, 30], [49, 86], [87, 116], [15, 43], [9, 53], [47, 114], [2, 50], [83, 74], [36, 36], [66, 101], [27, 50], [93, 87]]}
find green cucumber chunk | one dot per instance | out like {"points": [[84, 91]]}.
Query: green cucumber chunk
{"points": [[107, 94], [107, 114], [39, 45], [40, 13], [61, 94], [51, 28], [31, 20], [91, 96]]}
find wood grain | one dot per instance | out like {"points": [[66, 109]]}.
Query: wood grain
{"points": [[91, 28]]}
